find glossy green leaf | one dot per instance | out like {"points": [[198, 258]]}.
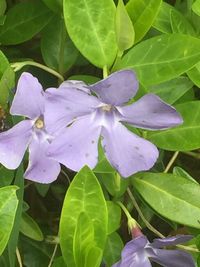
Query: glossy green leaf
{"points": [[7, 82], [114, 216], [54, 5], [58, 52], [113, 249], [162, 58], [3, 6], [94, 257], [172, 90], [84, 242], [59, 262], [182, 138], [162, 21], [124, 28], [173, 197], [4, 64], [31, 16], [30, 228], [196, 7], [91, 26], [194, 75], [6, 176], [83, 195], [142, 14], [8, 207], [180, 24], [181, 172]]}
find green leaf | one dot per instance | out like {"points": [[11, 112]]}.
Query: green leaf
{"points": [[114, 216], [184, 137], [142, 14], [112, 252], [7, 82], [3, 6], [173, 197], [91, 26], [196, 7], [162, 58], [8, 207], [83, 195], [6, 176], [59, 262], [172, 90], [180, 172], [84, 242], [30, 228], [162, 21], [54, 5], [58, 52], [124, 28], [89, 79], [4, 64], [31, 16], [194, 74], [94, 257], [180, 24]]}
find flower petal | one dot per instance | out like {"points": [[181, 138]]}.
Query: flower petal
{"points": [[170, 241], [118, 88], [29, 98], [41, 169], [77, 145], [150, 112], [13, 144], [127, 152], [75, 85], [63, 105], [133, 254], [172, 258]]}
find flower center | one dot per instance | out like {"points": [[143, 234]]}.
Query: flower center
{"points": [[39, 124], [106, 108]]}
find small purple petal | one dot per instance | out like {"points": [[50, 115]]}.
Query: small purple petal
{"points": [[62, 106], [77, 145], [133, 254], [29, 98], [75, 85], [170, 241], [150, 112], [127, 152], [116, 89], [41, 169], [172, 258], [13, 144]]}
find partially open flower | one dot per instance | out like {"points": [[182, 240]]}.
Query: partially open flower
{"points": [[103, 115]]}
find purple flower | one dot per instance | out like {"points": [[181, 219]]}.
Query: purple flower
{"points": [[139, 252], [103, 115], [29, 133]]}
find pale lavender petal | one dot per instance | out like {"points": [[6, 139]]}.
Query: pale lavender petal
{"points": [[127, 152], [172, 258], [170, 241], [150, 112], [133, 254], [75, 85], [118, 88], [13, 144], [29, 99], [41, 169], [77, 145], [62, 106]]}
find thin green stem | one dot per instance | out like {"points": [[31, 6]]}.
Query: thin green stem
{"points": [[192, 154], [171, 162], [66, 176], [148, 225], [129, 217], [105, 72], [19, 65], [19, 259], [53, 255]]}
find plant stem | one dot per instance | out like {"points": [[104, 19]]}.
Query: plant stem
{"points": [[19, 259], [53, 255], [148, 225], [124, 210], [171, 162], [192, 154], [19, 65]]}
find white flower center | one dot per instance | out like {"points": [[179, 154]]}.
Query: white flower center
{"points": [[106, 108], [39, 124]]}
